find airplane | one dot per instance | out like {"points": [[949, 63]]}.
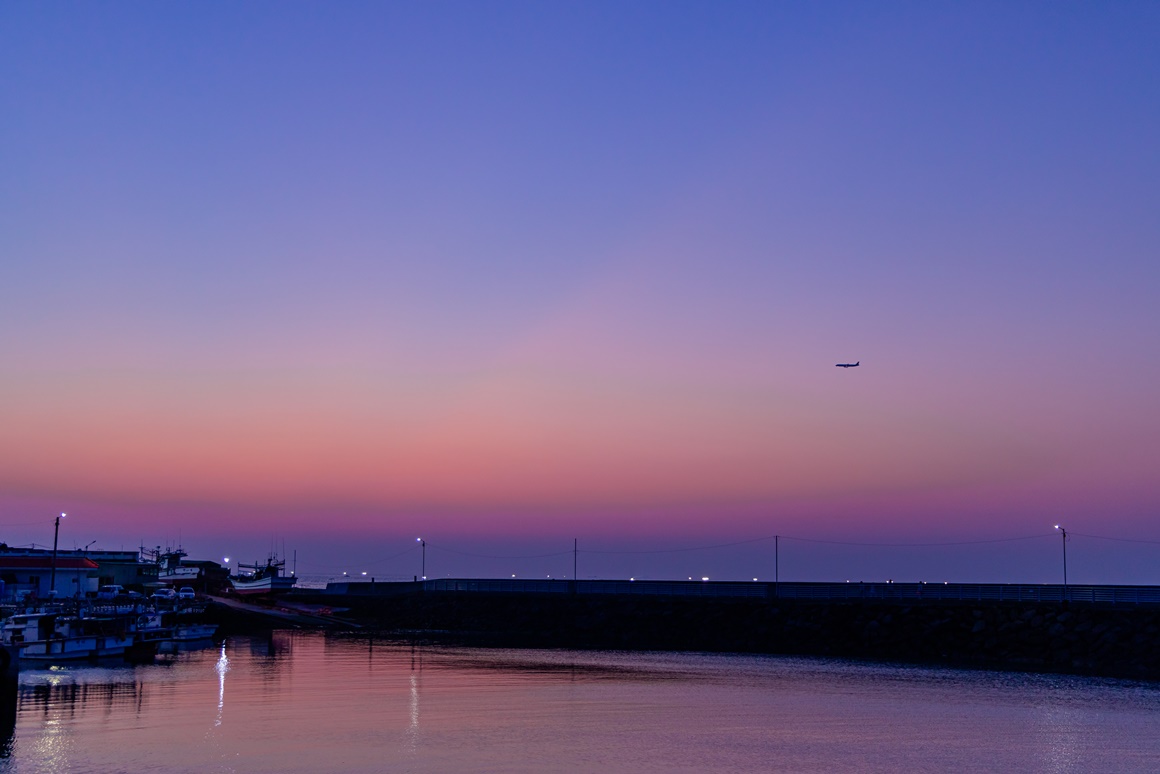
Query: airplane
{"points": [[848, 365]]}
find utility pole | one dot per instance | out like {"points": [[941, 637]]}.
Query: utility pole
{"points": [[575, 544], [423, 566], [1063, 534], [55, 537]]}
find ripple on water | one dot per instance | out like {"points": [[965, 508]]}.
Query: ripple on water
{"points": [[308, 702]]}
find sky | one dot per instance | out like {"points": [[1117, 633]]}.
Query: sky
{"points": [[326, 278]]}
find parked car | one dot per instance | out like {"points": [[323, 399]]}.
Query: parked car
{"points": [[164, 595], [110, 592], [186, 593]]}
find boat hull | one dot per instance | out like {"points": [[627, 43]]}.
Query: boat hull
{"points": [[85, 648], [263, 585]]}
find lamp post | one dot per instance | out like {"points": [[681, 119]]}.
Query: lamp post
{"points": [[55, 537], [423, 545], [1063, 534]]}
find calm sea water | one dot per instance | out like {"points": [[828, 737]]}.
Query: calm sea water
{"points": [[317, 703]]}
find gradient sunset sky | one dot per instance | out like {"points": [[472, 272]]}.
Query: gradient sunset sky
{"points": [[332, 276]]}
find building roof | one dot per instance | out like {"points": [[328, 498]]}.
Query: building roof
{"points": [[45, 563]]}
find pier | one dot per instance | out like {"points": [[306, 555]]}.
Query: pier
{"points": [[900, 593], [1104, 630]]}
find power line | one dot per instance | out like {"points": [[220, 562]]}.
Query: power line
{"points": [[373, 562], [828, 542], [1118, 540], [861, 544], [488, 556], [920, 545], [681, 550]]}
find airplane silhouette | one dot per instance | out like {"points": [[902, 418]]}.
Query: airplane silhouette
{"points": [[848, 365]]}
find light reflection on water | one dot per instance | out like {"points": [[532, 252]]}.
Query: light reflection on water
{"points": [[297, 702]]}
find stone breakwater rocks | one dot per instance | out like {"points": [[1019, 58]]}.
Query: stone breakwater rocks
{"points": [[1122, 641]]}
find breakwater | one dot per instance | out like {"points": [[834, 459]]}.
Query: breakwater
{"points": [[1018, 631]]}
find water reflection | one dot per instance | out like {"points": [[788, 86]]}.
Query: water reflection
{"points": [[221, 667], [297, 700], [62, 696], [413, 728]]}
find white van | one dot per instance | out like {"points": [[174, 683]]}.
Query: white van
{"points": [[110, 592]]}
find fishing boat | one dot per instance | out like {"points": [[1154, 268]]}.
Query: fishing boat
{"points": [[171, 569], [265, 578], [52, 637]]}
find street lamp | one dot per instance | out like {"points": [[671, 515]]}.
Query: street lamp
{"points": [[1063, 534], [55, 536], [423, 544]]}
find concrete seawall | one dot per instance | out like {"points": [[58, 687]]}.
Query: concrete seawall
{"points": [[1048, 636]]}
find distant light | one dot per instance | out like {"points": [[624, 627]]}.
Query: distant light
{"points": [[364, 573], [705, 578], [63, 515], [946, 583], [344, 573], [632, 579], [513, 575], [755, 579], [227, 560], [1056, 526], [418, 540]]}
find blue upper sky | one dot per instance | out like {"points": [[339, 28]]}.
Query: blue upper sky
{"points": [[597, 258]]}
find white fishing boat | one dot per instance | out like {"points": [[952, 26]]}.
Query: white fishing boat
{"points": [[263, 578], [171, 569], [50, 637]]}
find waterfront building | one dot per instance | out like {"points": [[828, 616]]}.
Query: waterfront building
{"points": [[26, 574], [78, 572]]}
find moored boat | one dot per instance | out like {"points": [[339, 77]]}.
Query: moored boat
{"points": [[50, 637], [263, 578]]}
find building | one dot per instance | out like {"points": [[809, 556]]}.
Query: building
{"points": [[34, 574], [79, 572], [124, 568]]}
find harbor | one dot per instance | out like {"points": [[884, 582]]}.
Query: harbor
{"points": [[135, 606], [634, 388], [90, 607]]}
